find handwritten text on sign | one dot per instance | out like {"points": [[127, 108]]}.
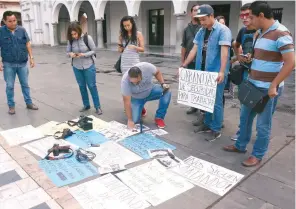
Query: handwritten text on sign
{"points": [[197, 89], [107, 192], [141, 143], [207, 175], [67, 171], [154, 182]]}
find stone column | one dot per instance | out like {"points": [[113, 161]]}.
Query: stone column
{"points": [[55, 34], [179, 31], [100, 38]]}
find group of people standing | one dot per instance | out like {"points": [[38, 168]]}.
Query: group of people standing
{"points": [[264, 49]]}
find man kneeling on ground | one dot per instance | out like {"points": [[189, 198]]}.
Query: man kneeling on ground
{"points": [[137, 88]]}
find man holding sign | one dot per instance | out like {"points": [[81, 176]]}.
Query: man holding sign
{"points": [[137, 88], [211, 51]]}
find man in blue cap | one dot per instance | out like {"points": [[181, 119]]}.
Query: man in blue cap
{"points": [[211, 51]]}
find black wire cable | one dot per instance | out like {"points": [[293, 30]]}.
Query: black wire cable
{"points": [[84, 156]]}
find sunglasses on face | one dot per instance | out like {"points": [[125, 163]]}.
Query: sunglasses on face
{"points": [[243, 16]]}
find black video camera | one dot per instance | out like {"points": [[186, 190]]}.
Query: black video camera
{"points": [[85, 123]]}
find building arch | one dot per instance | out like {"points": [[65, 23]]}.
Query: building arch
{"points": [[56, 11], [76, 7]]}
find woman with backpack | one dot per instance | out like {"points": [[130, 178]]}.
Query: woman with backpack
{"points": [[81, 48]]}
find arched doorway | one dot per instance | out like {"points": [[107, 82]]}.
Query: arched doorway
{"points": [[86, 18], [113, 12], [63, 23]]}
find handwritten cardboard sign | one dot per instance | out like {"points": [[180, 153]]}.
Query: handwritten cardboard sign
{"points": [[207, 175], [40, 147], [141, 143], [154, 182], [197, 89], [107, 192], [111, 154], [117, 131], [86, 139], [21, 135], [67, 171]]}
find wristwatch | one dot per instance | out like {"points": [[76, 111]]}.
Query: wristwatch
{"points": [[31, 58]]}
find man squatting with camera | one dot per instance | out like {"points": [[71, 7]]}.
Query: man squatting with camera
{"points": [[137, 88]]}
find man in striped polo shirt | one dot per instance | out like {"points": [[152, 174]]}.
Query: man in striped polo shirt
{"points": [[273, 61]]}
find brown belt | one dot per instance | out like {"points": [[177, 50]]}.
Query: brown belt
{"points": [[262, 76]]}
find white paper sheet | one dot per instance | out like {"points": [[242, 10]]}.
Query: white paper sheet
{"points": [[117, 131], [107, 192], [21, 135], [112, 154], [51, 127], [212, 177], [154, 182], [40, 147]]}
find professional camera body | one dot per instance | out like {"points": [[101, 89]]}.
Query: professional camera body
{"points": [[85, 123]]}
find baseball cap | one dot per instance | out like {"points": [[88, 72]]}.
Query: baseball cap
{"points": [[204, 10]]}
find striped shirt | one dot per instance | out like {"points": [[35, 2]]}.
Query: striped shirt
{"points": [[269, 48]]}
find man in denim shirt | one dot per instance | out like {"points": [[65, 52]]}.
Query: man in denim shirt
{"points": [[211, 51], [15, 47]]}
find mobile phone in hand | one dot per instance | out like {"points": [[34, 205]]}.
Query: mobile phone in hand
{"points": [[244, 55], [121, 45]]}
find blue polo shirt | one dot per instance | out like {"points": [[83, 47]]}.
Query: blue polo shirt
{"points": [[219, 36]]}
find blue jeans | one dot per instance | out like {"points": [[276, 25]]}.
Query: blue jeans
{"points": [[215, 120], [155, 94], [263, 126], [87, 77], [22, 71]]}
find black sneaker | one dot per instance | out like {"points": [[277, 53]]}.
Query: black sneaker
{"points": [[191, 110], [213, 136], [84, 109], [202, 129]]}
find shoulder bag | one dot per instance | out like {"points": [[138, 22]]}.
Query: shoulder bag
{"points": [[117, 65]]}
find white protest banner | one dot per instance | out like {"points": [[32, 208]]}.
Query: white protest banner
{"points": [[197, 89], [154, 182], [40, 147], [207, 175], [21, 135], [107, 192], [114, 156], [117, 131]]}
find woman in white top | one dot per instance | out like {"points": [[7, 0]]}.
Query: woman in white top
{"points": [[134, 40]]}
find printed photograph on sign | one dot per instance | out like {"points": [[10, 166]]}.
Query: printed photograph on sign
{"points": [[154, 182], [197, 89], [107, 192], [21, 135], [212, 177]]}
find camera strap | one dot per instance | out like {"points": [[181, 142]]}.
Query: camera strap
{"points": [[59, 152], [63, 134]]}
